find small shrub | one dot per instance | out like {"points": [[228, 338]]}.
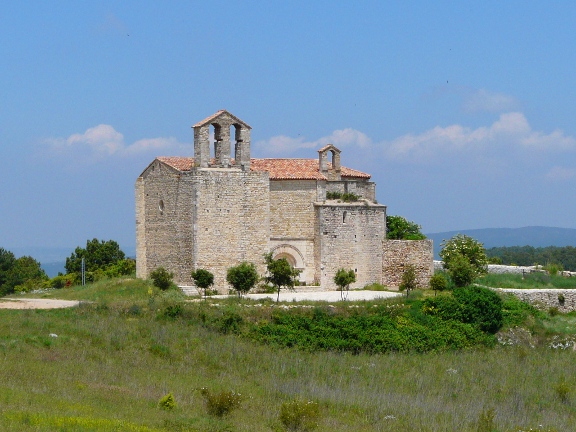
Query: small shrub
{"points": [[160, 350], [299, 415], [553, 268], [203, 279], [375, 286], [220, 404], [553, 311], [134, 310], [343, 279], [562, 391], [161, 278], [172, 312], [408, 279], [438, 282], [486, 421], [167, 402], [461, 271], [242, 277]]}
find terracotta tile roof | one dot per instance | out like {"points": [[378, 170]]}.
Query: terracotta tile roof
{"points": [[218, 113], [279, 169], [180, 163]]}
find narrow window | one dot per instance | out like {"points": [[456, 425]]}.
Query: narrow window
{"points": [[344, 216]]}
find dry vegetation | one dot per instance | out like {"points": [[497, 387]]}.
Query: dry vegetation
{"points": [[114, 359]]}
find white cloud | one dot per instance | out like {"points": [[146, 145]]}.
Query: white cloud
{"points": [[487, 101], [511, 130], [558, 173], [341, 138], [104, 141]]}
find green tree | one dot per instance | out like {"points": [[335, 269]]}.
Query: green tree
{"points": [[24, 270], [464, 258], [438, 282], [242, 277], [98, 254], [280, 273], [162, 278], [203, 279], [7, 260], [408, 282], [461, 272], [343, 278], [399, 228]]}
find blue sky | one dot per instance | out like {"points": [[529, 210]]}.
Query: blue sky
{"points": [[462, 111]]}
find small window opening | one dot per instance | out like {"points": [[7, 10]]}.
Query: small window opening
{"points": [[344, 216], [161, 206]]}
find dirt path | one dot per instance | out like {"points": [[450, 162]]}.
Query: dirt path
{"points": [[28, 303]]}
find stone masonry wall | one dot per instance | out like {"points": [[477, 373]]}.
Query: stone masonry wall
{"points": [[292, 208], [399, 253], [231, 220], [349, 236], [545, 298], [163, 221]]}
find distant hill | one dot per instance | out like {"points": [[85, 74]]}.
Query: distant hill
{"points": [[536, 236]]}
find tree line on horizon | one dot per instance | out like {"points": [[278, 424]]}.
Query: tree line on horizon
{"points": [[529, 255]]}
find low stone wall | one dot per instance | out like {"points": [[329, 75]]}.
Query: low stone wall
{"points": [[399, 253], [501, 269], [563, 299]]}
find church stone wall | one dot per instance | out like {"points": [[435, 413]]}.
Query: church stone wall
{"points": [[397, 254], [231, 220], [349, 236], [292, 208], [164, 236]]}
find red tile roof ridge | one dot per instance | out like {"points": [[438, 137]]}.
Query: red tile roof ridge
{"points": [[278, 168]]}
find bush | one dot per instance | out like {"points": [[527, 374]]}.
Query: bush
{"points": [[167, 402], [562, 391], [343, 278], [161, 278], [473, 253], [480, 306], [242, 277], [203, 279], [299, 415], [461, 272], [408, 279], [438, 282], [220, 404], [399, 228]]}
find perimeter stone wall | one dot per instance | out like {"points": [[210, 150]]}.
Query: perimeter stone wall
{"points": [[399, 253], [563, 299]]}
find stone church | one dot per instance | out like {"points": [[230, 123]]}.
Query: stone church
{"points": [[215, 210]]}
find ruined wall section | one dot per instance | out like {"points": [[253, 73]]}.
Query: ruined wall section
{"points": [[163, 222], [230, 215], [362, 188], [349, 236], [397, 254]]}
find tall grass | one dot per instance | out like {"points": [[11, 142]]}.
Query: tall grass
{"points": [[113, 360]]}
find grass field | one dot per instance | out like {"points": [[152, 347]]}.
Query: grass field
{"points": [[529, 281], [116, 355]]}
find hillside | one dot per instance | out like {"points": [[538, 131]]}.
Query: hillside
{"points": [[535, 236]]}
